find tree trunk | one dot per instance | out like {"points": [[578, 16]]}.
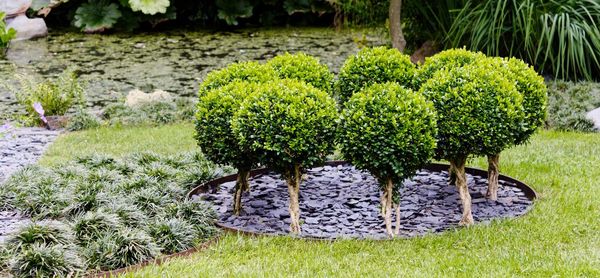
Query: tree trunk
{"points": [[452, 173], [293, 179], [241, 185], [398, 40], [397, 231], [463, 190], [493, 173], [386, 206]]}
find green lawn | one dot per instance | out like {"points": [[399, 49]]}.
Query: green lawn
{"points": [[560, 237]]}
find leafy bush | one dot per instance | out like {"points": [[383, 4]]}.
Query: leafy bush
{"points": [[151, 113], [568, 104], [303, 67], [6, 35], [242, 71], [476, 108], [55, 96], [290, 125], [374, 65], [560, 37], [446, 59], [389, 131], [215, 137], [47, 261], [173, 235], [82, 120]]}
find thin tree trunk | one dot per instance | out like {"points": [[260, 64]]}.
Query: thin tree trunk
{"points": [[398, 40], [241, 185], [463, 190], [452, 173], [397, 231], [293, 182], [493, 173], [386, 206]]}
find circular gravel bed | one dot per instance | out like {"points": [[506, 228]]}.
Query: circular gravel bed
{"points": [[343, 202]]}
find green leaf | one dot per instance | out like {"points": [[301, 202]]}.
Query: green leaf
{"points": [[96, 16], [149, 6]]}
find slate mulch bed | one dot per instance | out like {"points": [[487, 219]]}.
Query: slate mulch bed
{"points": [[343, 202]]}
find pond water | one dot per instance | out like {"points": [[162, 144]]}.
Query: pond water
{"points": [[174, 61]]}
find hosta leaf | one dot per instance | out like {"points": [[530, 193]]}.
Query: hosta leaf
{"points": [[149, 6], [96, 16]]}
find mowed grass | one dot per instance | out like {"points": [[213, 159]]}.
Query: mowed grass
{"points": [[560, 237]]}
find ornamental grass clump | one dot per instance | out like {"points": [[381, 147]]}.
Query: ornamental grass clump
{"points": [[172, 235], [373, 65], [42, 260], [291, 125], [303, 67], [476, 109], [216, 138], [47, 232], [389, 131]]}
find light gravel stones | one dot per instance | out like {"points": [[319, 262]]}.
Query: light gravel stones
{"points": [[343, 202]]}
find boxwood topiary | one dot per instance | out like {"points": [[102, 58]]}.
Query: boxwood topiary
{"points": [[303, 67], [373, 65], [535, 98], [389, 131], [447, 59], [216, 138], [241, 71], [476, 109], [291, 125]]}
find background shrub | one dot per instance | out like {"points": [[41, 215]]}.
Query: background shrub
{"points": [[389, 131], [373, 65], [568, 104], [82, 120], [303, 67], [290, 125]]}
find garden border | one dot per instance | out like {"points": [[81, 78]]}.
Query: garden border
{"points": [[438, 167]]}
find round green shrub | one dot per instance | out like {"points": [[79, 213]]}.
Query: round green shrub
{"points": [[389, 131], [303, 67], [476, 108], [242, 71], [42, 260], [290, 125], [172, 235], [374, 65], [447, 59]]}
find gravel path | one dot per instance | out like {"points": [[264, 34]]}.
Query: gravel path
{"points": [[343, 202], [20, 147]]}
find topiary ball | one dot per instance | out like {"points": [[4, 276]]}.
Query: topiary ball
{"points": [[241, 71], [213, 124], [374, 65], [287, 122], [476, 108], [389, 131], [303, 67], [447, 59]]}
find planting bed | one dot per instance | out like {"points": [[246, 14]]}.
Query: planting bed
{"points": [[339, 201]]}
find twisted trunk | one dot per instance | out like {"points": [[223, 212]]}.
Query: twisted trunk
{"points": [[242, 184], [293, 179], [452, 173], [398, 40], [461, 183], [493, 173], [386, 206]]}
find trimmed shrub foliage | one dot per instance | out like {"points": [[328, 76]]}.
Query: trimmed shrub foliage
{"points": [[373, 65], [105, 211], [290, 125], [303, 67], [242, 71], [389, 131], [446, 59]]}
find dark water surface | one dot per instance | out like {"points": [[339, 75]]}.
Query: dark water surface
{"points": [[174, 61]]}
